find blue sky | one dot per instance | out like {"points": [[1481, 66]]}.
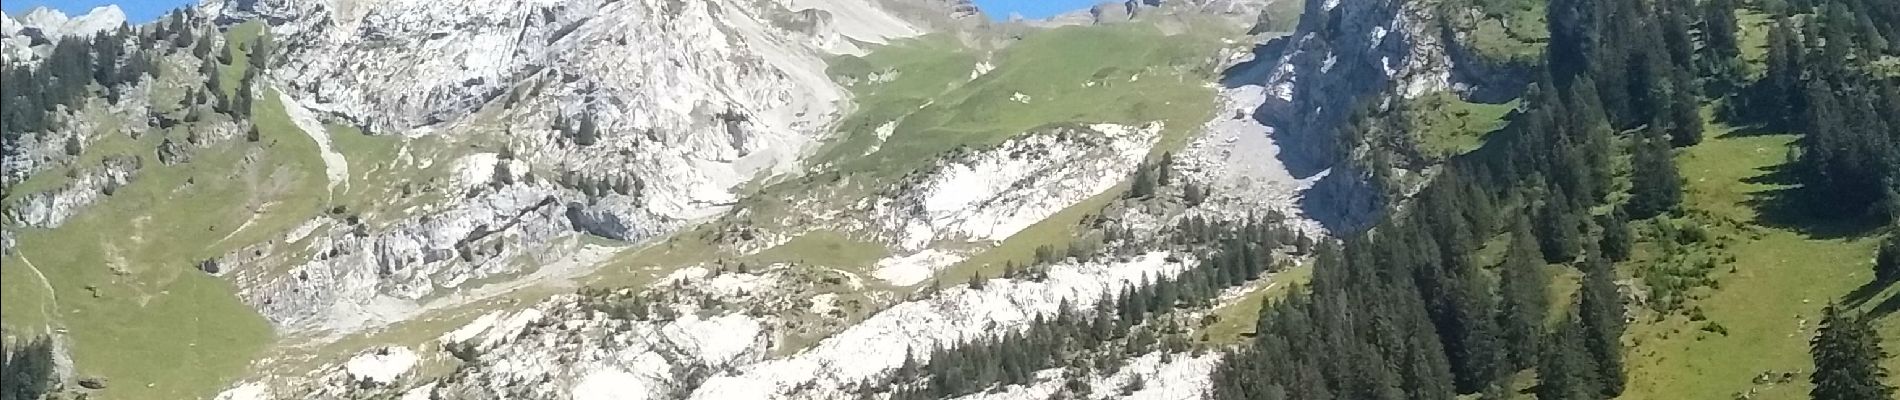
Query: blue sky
{"points": [[146, 10], [137, 11], [1034, 9]]}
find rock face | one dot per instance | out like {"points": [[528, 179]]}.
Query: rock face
{"points": [[28, 38], [875, 347], [993, 194], [1343, 53], [682, 102], [49, 209], [636, 119]]}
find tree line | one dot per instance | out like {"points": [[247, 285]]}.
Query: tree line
{"points": [[26, 369], [1087, 340], [1408, 309]]}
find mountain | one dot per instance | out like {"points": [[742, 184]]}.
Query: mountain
{"points": [[902, 199], [24, 39]]}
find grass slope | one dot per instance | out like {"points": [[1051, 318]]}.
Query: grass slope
{"points": [[1236, 321], [1786, 268], [122, 277]]}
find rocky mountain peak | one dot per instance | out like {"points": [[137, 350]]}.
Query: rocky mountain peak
{"points": [[52, 23]]}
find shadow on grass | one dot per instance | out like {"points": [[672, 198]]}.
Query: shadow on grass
{"points": [[1888, 306], [1861, 295], [1791, 207], [1750, 130]]}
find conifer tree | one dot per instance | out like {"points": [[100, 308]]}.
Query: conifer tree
{"points": [[1618, 239], [1600, 312], [1144, 183], [203, 49], [1558, 232], [1657, 188], [1564, 371], [1524, 285], [1847, 356], [1721, 50], [1887, 261], [1777, 96], [260, 52]]}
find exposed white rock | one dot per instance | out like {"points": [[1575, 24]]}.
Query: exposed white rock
{"points": [[692, 100], [51, 208], [424, 392], [993, 194], [1238, 160], [877, 345], [1162, 376], [246, 391], [381, 366], [982, 68], [853, 22], [589, 357], [43, 26], [824, 304], [51, 23], [335, 167], [1313, 80], [611, 384], [725, 285], [917, 267], [8, 26]]}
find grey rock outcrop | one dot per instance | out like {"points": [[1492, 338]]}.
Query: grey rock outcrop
{"points": [[682, 102], [29, 38]]}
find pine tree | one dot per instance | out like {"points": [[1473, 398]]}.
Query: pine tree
{"points": [[181, 34], [1618, 240], [1887, 261], [1558, 232], [1720, 46], [1193, 195], [1144, 183], [1164, 175], [1564, 372], [26, 369], [203, 49], [1524, 286], [1847, 358], [1777, 96], [1476, 358], [1685, 115], [260, 52], [1657, 188], [588, 133], [1600, 310]]}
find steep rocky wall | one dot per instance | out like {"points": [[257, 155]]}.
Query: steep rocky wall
{"points": [[689, 100], [1347, 56]]}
